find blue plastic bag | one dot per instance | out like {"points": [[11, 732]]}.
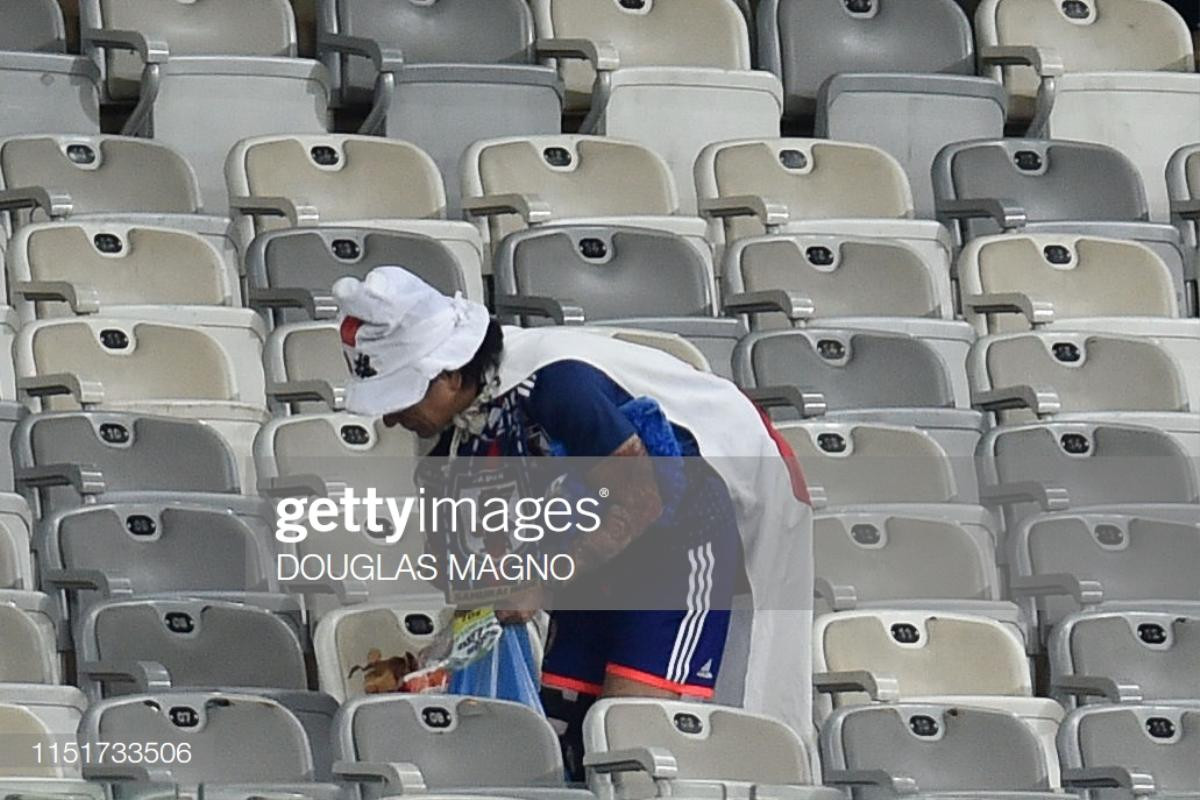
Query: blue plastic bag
{"points": [[508, 672]]}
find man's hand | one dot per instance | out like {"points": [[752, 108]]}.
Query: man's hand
{"points": [[520, 607]]}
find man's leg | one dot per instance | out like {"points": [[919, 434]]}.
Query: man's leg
{"points": [[572, 678]]}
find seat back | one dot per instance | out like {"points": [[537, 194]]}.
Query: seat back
{"points": [[1052, 180], [201, 28], [856, 463], [434, 731], [52, 712], [201, 643], [16, 524], [928, 653], [666, 33], [577, 176], [306, 352], [1155, 651], [708, 743], [806, 42], [813, 178], [843, 276], [1163, 741], [101, 173], [1094, 36], [942, 747], [1183, 183], [233, 738], [443, 32], [852, 369], [30, 654], [33, 26], [308, 261], [1131, 556], [610, 272], [1082, 276], [26, 733], [119, 265]]}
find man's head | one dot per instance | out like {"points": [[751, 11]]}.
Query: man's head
{"points": [[416, 357]]}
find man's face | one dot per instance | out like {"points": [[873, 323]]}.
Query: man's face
{"points": [[435, 412]]}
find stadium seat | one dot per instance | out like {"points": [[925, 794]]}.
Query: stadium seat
{"points": [[150, 544], [323, 455], [705, 744], [30, 652], [114, 180], [519, 182], [456, 71], [130, 646], [205, 75], [42, 88], [514, 751], [672, 75], [316, 712], [1068, 562], [1127, 656], [1044, 186], [291, 271], [64, 457], [243, 743], [1113, 72], [292, 181], [1142, 750], [16, 525], [844, 281], [1035, 375], [42, 714], [1056, 466], [1183, 184], [665, 341], [306, 367], [884, 751], [369, 648], [631, 277], [896, 75]]}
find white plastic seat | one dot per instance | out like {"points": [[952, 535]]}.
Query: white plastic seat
{"points": [[16, 524], [673, 75], [306, 368], [1183, 185], [30, 652], [45, 715]]}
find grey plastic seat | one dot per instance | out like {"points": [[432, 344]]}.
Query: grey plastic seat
{"points": [[306, 367], [1117, 66], [43, 88], [631, 277], [291, 271], [129, 645], [673, 75], [43, 714], [887, 750], [1127, 655], [65, 457], [340, 179], [1183, 186], [206, 75], [16, 525], [1066, 562], [1056, 466], [897, 75], [346, 638], [456, 71], [706, 744], [30, 652], [109, 179], [428, 733], [1123, 751]]}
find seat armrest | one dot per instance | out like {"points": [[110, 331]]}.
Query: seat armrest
{"points": [[81, 299], [1137, 783], [384, 59], [1037, 312], [146, 676], [529, 207], [1050, 498], [314, 391], [86, 393], [1186, 209], [808, 404], [840, 597], [300, 215], [150, 51], [299, 486], [56, 205], [795, 306], [880, 688], [1041, 400], [348, 592], [92, 580], [398, 777], [656, 762], [896, 784], [1045, 62], [770, 213], [1086, 592], [563, 312], [83, 478], [1095, 686], [318, 306], [603, 56], [121, 773], [1008, 214]]}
